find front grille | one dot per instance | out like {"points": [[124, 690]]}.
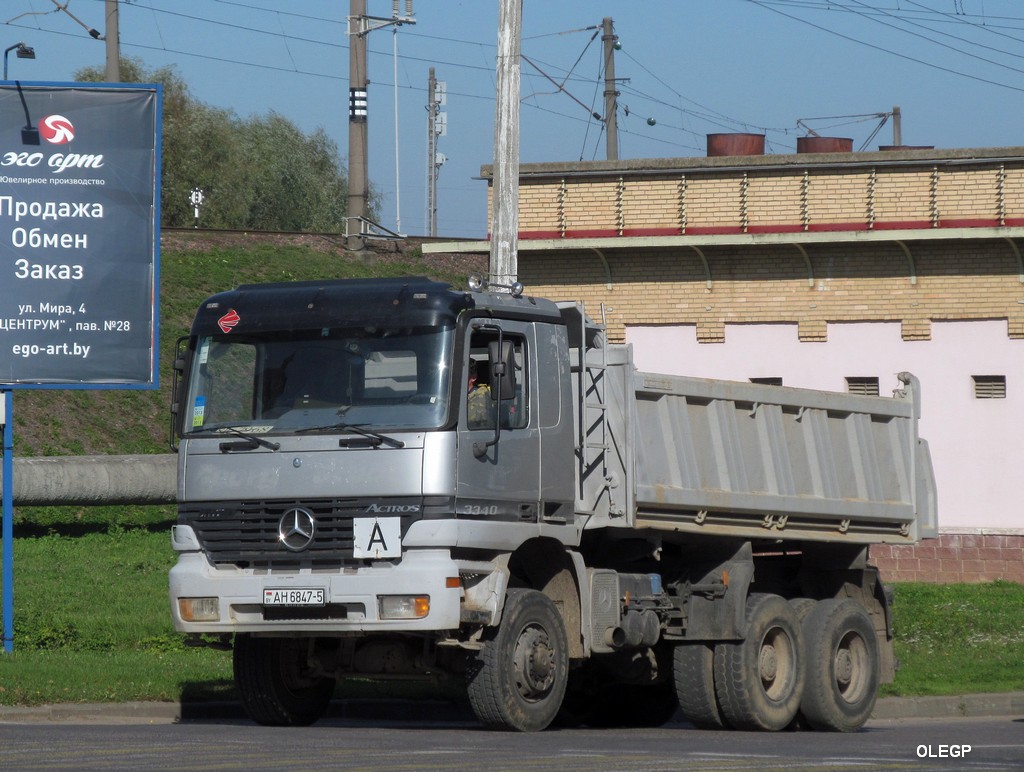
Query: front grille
{"points": [[246, 533]]}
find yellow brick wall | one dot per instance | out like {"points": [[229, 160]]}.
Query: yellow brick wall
{"points": [[789, 199], [839, 197], [968, 193], [540, 209], [851, 282], [774, 198], [591, 206], [651, 204]]}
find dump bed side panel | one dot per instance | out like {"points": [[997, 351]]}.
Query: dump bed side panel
{"points": [[738, 459]]}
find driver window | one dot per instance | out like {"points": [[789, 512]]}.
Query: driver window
{"points": [[482, 404]]}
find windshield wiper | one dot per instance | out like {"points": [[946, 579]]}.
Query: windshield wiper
{"points": [[356, 429], [249, 441]]}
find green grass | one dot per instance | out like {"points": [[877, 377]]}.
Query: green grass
{"points": [[92, 624], [39, 677], [959, 638]]}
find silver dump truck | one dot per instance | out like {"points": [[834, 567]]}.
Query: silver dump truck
{"points": [[390, 478]]}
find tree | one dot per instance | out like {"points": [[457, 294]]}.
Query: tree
{"points": [[260, 173]]}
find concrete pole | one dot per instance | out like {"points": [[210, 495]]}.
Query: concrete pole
{"points": [[611, 126], [897, 126], [358, 174], [504, 262], [113, 71]]}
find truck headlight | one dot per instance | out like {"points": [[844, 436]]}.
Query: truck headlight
{"points": [[199, 609], [404, 606]]}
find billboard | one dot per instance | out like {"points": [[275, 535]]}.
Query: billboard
{"points": [[79, 215]]}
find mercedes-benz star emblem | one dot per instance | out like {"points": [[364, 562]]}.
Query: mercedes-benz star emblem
{"points": [[296, 529]]}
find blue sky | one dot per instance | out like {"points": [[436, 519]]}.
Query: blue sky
{"points": [[955, 68]]}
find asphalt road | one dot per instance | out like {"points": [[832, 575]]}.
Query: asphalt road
{"points": [[144, 743]]}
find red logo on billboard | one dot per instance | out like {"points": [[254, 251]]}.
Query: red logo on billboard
{"points": [[56, 129], [229, 321]]}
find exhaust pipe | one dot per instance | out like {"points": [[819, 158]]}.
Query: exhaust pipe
{"points": [[635, 629]]}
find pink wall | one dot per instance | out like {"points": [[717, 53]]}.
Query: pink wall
{"points": [[975, 443]]}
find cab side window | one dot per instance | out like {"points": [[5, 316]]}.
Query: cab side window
{"points": [[482, 405]]}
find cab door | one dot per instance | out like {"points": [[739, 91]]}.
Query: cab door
{"points": [[499, 437]]}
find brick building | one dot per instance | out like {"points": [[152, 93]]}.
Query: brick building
{"points": [[818, 270]]}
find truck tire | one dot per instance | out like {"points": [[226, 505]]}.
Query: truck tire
{"points": [[842, 666], [693, 668], [759, 681], [274, 683], [518, 679], [802, 607]]}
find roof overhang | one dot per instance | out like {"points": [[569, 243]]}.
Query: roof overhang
{"points": [[904, 239], [732, 240]]}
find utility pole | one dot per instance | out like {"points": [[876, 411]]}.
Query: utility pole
{"points": [[611, 126], [358, 176], [504, 261], [359, 26], [113, 71], [437, 126], [897, 126]]}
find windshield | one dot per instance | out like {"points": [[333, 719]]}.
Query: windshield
{"points": [[330, 377]]}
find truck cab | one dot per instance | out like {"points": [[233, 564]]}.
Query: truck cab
{"points": [[336, 473]]}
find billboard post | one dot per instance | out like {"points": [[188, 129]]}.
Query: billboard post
{"points": [[8, 524], [79, 250]]}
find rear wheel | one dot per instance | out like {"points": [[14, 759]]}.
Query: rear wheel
{"points": [[759, 681], [694, 672], [276, 683], [519, 677], [842, 666]]}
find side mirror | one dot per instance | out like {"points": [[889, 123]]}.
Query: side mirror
{"points": [[503, 370]]}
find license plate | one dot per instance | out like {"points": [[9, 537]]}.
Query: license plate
{"points": [[297, 596]]}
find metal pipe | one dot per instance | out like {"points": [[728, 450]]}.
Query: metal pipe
{"points": [[94, 480]]}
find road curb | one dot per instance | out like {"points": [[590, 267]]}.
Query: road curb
{"points": [[964, 706], [434, 711]]}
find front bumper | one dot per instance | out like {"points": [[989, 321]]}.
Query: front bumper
{"points": [[352, 594]]}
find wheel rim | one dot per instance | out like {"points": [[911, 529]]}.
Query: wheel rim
{"points": [[851, 668], [535, 663], [776, 664]]}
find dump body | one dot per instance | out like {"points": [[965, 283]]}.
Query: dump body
{"points": [[719, 457], [750, 461]]}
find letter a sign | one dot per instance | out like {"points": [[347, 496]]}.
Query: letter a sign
{"points": [[377, 537]]}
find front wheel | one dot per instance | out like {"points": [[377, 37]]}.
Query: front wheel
{"points": [[276, 683], [518, 679]]}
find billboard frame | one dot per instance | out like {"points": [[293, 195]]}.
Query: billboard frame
{"points": [[7, 388], [154, 250]]}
